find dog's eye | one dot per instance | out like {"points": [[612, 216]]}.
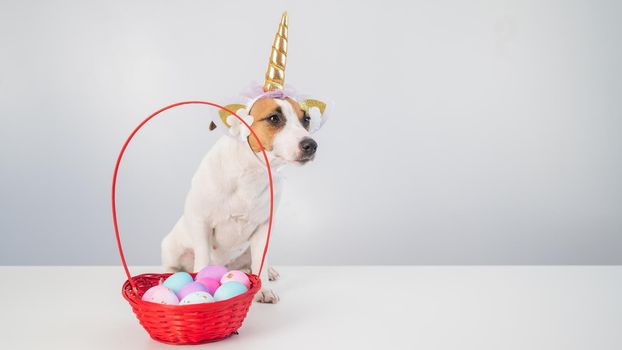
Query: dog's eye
{"points": [[274, 119], [306, 120]]}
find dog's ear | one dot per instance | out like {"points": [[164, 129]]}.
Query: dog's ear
{"points": [[234, 107], [316, 110], [233, 126]]}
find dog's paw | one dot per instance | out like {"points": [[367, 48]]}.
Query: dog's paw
{"points": [[273, 275], [267, 296]]}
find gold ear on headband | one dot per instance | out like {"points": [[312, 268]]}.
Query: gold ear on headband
{"points": [[316, 110], [234, 107], [306, 105]]}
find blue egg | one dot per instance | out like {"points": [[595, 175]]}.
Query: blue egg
{"points": [[177, 280], [229, 290]]}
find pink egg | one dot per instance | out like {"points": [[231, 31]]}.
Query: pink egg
{"points": [[236, 276], [214, 272], [190, 288], [160, 295], [210, 284]]}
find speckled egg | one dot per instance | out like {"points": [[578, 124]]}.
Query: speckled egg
{"points": [[229, 290], [214, 272], [190, 288], [177, 280], [197, 298], [160, 295], [236, 276], [210, 284]]}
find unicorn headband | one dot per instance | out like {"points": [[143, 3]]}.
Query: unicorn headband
{"points": [[273, 87]]}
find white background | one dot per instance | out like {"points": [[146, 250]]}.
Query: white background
{"points": [[484, 132]]}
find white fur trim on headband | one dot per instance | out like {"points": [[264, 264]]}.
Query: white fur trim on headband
{"points": [[238, 129]]}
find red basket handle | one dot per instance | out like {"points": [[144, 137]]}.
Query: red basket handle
{"points": [[116, 170]]}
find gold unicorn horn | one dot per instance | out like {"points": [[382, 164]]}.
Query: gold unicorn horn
{"points": [[275, 74]]}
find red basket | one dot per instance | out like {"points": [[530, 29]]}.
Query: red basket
{"points": [[196, 323]]}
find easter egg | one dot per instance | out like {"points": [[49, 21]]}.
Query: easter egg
{"points": [[160, 295], [190, 288], [177, 280], [214, 272], [236, 276], [197, 298], [210, 284], [229, 290]]}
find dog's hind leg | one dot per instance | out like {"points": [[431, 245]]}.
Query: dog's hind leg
{"points": [[172, 252]]}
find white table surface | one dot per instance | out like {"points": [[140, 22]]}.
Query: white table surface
{"points": [[346, 307]]}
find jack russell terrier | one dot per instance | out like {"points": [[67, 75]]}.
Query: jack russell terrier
{"points": [[226, 211]]}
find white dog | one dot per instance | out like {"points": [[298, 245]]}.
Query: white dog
{"points": [[226, 210]]}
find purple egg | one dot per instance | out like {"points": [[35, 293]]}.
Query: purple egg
{"points": [[191, 288], [214, 272]]}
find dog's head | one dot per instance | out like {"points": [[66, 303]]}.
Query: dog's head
{"points": [[283, 128], [282, 124]]}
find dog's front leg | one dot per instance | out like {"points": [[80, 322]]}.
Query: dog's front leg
{"points": [[200, 233], [258, 244]]}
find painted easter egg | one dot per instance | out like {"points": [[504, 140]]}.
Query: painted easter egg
{"points": [[236, 276], [197, 298], [214, 272], [229, 290], [210, 284], [177, 280], [190, 288], [160, 295]]}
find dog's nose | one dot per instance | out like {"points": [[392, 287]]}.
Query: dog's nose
{"points": [[308, 146]]}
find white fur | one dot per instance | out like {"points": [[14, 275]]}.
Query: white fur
{"points": [[226, 210]]}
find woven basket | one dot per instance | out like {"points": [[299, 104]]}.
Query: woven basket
{"points": [[196, 323]]}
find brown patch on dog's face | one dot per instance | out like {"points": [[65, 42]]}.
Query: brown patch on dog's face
{"points": [[268, 121]]}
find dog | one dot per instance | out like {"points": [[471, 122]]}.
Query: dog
{"points": [[226, 211]]}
